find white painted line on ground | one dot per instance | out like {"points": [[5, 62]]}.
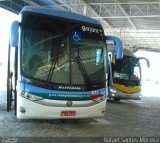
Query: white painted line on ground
{"points": [[101, 121], [139, 102], [132, 101]]}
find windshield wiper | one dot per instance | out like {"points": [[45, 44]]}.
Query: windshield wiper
{"points": [[53, 65], [83, 71]]}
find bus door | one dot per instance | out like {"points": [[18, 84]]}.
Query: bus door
{"points": [[11, 77], [12, 67]]}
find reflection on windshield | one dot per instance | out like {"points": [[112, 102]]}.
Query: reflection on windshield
{"points": [[127, 71], [85, 54], [50, 55]]}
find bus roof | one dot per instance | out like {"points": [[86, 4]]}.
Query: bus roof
{"points": [[59, 13], [127, 52]]}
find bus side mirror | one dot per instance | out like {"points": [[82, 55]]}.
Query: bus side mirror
{"points": [[147, 61], [14, 35], [118, 46]]}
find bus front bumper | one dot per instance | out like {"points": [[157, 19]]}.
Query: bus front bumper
{"points": [[122, 95], [27, 109]]}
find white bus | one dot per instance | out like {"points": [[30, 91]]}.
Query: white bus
{"points": [[60, 65]]}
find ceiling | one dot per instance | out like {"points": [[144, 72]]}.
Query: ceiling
{"points": [[136, 22]]}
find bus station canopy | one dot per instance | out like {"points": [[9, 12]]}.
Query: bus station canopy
{"points": [[135, 22]]}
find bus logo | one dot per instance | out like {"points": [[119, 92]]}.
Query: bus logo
{"points": [[69, 103], [69, 88]]}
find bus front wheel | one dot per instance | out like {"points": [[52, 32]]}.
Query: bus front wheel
{"points": [[117, 99]]}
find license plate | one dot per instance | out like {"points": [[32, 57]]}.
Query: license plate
{"points": [[68, 113]]}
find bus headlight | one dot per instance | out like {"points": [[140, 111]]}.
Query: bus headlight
{"points": [[113, 90], [30, 96]]}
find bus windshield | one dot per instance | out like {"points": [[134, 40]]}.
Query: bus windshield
{"points": [[126, 71], [60, 51]]}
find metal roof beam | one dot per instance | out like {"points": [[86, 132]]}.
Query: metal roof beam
{"points": [[67, 6], [136, 16], [123, 3], [30, 2], [90, 11], [87, 9], [130, 21], [95, 13], [8, 8], [11, 5], [133, 10]]}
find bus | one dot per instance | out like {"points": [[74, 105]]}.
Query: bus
{"points": [[57, 65], [126, 77]]}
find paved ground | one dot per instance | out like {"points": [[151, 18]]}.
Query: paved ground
{"points": [[122, 119]]}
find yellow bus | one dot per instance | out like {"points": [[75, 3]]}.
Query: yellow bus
{"points": [[126, 77]]}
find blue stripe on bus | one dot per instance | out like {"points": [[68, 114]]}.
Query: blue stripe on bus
{"points": [[31, 88]]}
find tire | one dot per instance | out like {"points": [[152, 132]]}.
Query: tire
{"points": [[117, 99]]}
